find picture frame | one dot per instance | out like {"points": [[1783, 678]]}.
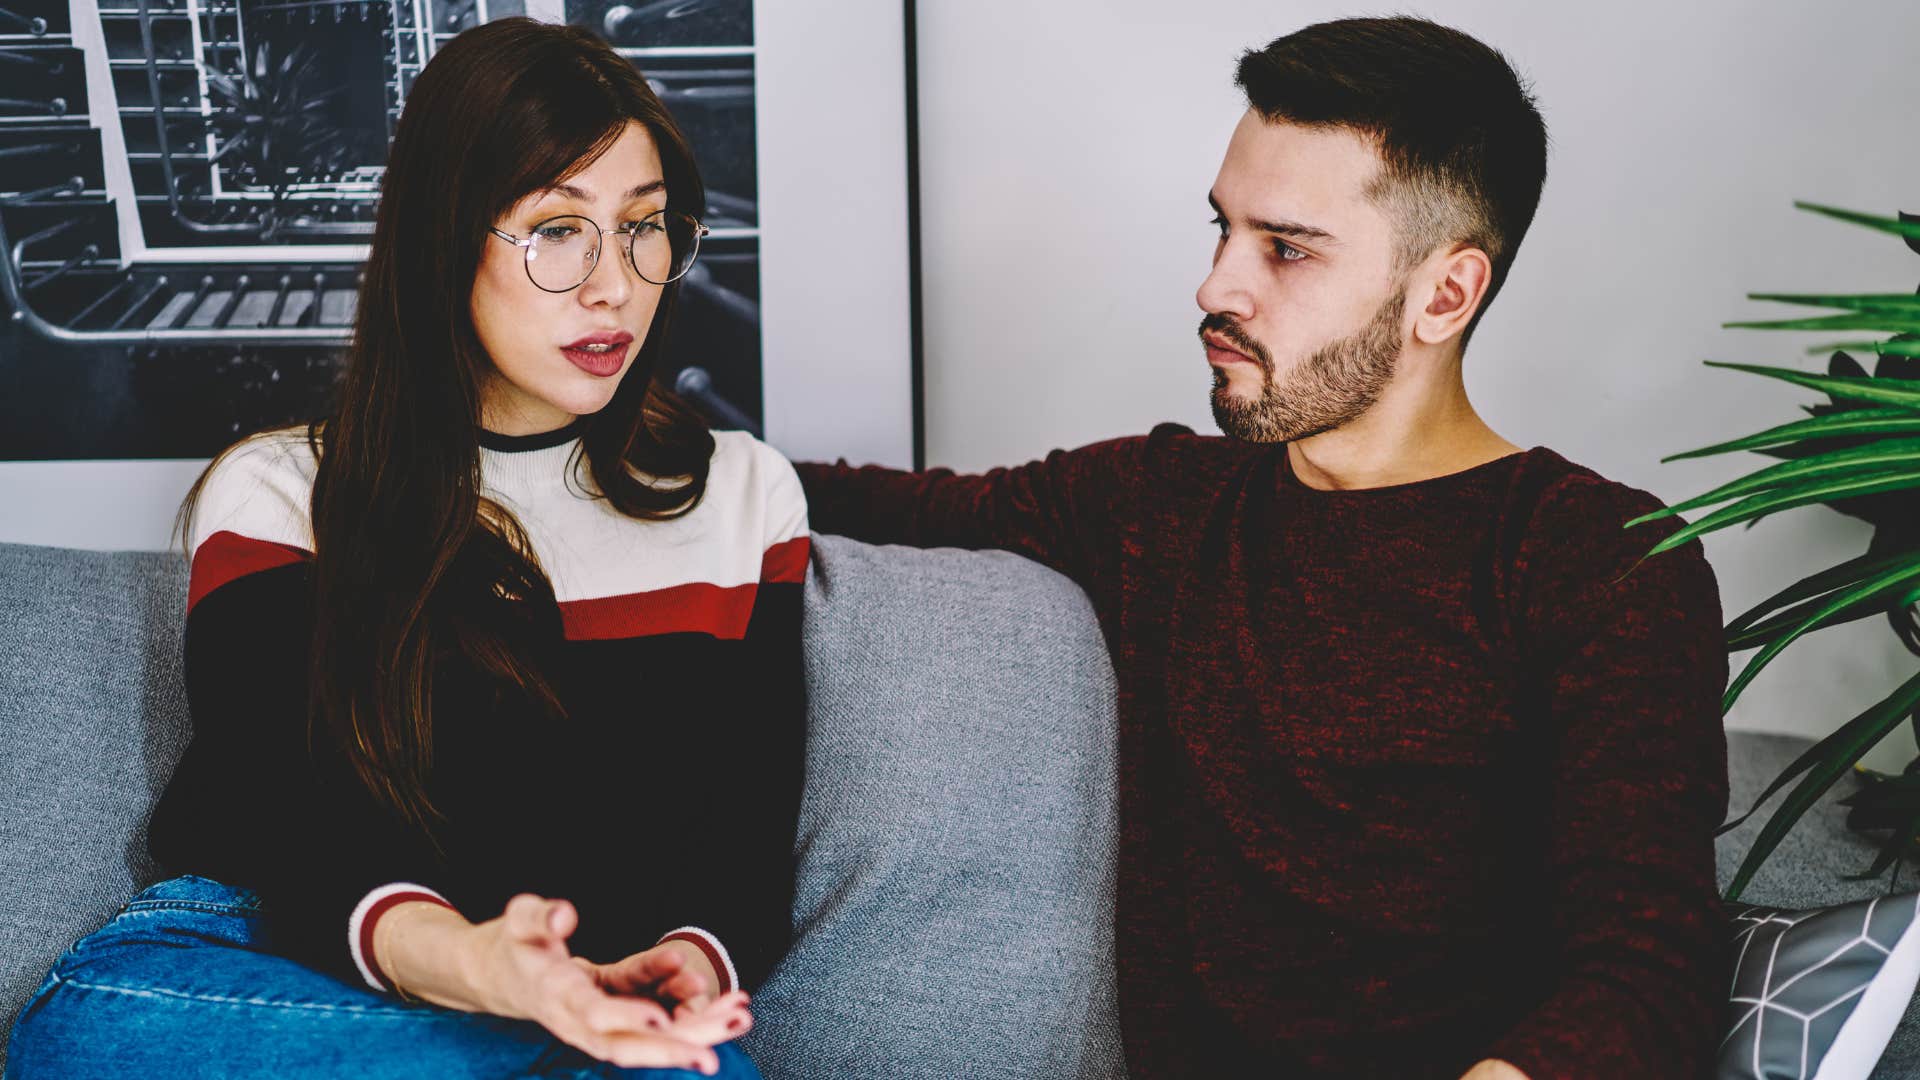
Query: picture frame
{"points": [[107, 433]]}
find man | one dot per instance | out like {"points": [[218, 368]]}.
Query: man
{"points": [[1420, 767]]}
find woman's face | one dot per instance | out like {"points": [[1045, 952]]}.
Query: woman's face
{"points": [[538, 384]]}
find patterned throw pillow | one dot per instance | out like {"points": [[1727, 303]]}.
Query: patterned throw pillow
{"points": [[1817, 994]]}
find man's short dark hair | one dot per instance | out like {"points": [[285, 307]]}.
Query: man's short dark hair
{"points": [[1462, 145]]}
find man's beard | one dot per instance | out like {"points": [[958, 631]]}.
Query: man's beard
{"points": [[1327, 390]]}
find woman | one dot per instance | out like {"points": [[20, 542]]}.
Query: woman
{"points": [[494, 672]]}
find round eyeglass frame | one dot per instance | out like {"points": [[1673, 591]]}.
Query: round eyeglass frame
{"points": [[526, 246]]}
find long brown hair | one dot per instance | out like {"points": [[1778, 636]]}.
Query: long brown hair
{"points": [[405, 544]]}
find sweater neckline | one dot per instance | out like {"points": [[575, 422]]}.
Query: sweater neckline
{"points": [[539, 440], [1430, 485]]}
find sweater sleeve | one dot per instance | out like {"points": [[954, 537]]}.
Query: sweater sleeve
{"points": [[736, 902], [1630, 669], [252, 802], [1061, 511]]}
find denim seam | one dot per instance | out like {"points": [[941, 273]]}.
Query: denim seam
{"points": [[193, 905], [160, 992]]}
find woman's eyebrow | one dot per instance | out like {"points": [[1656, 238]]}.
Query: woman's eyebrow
{"points": [[582, 195]]}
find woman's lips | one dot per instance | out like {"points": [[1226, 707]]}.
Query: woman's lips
{"points": [[602, 364]]}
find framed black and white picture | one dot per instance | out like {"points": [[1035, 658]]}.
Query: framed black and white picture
{"points": [[187, 189]]}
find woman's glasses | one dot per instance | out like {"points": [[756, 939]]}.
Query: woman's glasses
{"points": [[562, 251]]}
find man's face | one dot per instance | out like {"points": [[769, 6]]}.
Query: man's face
{"points": [[1304, 306]]}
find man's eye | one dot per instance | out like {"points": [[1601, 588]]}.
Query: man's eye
{"points": [[1222, 224], [1287, 252]]}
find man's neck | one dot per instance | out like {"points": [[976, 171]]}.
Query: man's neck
{"points": [[1423, 426]]}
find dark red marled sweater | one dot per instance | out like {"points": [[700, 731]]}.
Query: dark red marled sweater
{"points": [[1408, 779]]}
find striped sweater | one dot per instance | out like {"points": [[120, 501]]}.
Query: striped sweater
{"points": [[662, 804]]}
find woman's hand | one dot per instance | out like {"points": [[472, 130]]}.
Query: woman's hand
{"points": [[520, 967], [670, 973], [679, 977]]}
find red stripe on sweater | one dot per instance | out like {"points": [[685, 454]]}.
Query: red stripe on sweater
{"points": [[381, 907], [706, 950], [786, 562], [696, 607], [225, 556], [693, 608]]}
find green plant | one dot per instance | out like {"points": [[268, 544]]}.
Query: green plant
{"points": [[1858, 453]]}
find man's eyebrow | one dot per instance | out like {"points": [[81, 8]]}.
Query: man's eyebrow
{"points": [[1294, 229], [634, 192]]}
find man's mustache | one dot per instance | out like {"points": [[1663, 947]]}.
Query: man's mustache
{"points": [[1228, 329]]}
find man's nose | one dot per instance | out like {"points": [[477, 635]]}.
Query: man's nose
{"points": [[1225, 290]]}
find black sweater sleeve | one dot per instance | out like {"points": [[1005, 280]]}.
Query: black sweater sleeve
{"points": [[255, 802], [742, 893]]}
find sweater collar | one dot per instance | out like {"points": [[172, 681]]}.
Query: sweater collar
{"points": [[1443, 485], [540, 440]]}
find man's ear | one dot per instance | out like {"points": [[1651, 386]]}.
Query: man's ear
{"points": [[1456, 285]]}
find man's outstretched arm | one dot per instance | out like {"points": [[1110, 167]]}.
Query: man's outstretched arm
{"points": [[1060, 510]]}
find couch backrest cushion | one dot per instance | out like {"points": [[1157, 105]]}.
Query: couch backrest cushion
{"points": [[956, 835], [956, 841], [92, 721]]}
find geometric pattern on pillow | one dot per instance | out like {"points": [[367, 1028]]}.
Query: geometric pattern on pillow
{"points": [[1817, 994]]}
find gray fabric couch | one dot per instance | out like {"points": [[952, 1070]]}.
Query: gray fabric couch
{"points": [[955, 840]]}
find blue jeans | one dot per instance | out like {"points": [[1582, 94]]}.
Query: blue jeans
{"points": [[176, 985]]}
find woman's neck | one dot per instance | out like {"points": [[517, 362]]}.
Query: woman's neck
{"points": [[516, 441]]}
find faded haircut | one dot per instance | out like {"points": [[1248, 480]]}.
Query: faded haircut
{"points": [[1462, 145]]}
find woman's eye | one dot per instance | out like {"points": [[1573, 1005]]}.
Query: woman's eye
{"points": [[646, 227], [555, 232]]}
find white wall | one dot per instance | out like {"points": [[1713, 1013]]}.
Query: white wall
{"points": [[831, 120], [1067, 148], [1066, 151]]}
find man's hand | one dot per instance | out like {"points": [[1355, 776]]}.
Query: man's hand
{"points": [[1494, 1069]]}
